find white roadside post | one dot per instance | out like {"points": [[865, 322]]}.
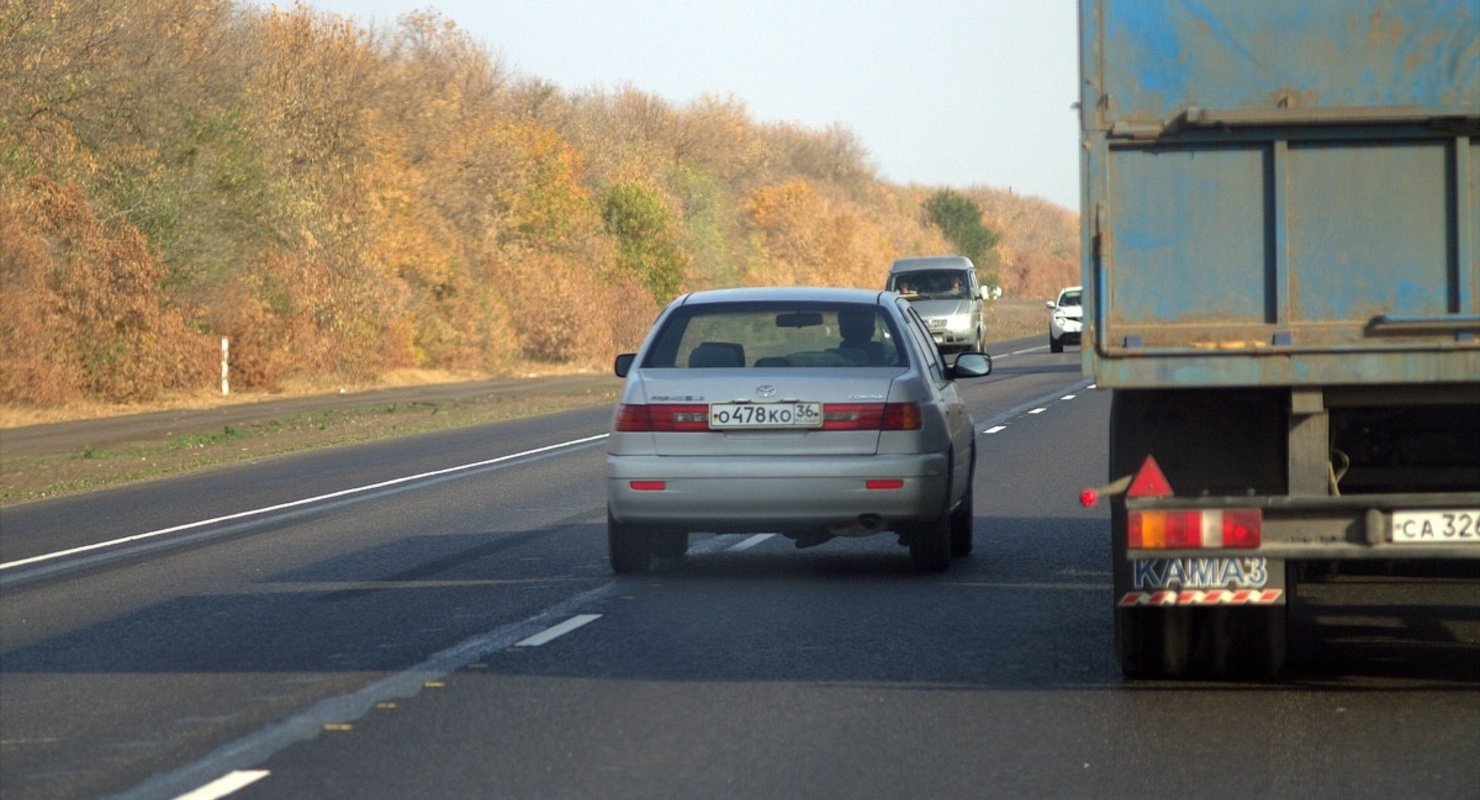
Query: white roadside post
{"points": [[225, 385]]}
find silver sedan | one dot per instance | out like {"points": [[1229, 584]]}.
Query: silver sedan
{"points": [[810, 412]]}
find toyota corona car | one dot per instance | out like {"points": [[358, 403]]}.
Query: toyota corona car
{"points": [[1065, 318], [810, 412]]}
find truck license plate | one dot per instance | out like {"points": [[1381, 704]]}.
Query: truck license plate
{"points": [[1454, 526]]}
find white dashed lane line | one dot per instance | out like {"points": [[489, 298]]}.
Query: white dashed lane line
{"points": [[999, 422], [749, 542], [557, 631], [225, 785]]}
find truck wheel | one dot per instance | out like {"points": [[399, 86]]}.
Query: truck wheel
{"points": [[630, 547], [930, 544], [1154, 642]]}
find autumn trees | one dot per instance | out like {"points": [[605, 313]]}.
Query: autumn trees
{"points": [[341, 202]]}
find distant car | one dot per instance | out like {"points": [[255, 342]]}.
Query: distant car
{"points": [[809, 412], [1066, 319], [945, 290]]}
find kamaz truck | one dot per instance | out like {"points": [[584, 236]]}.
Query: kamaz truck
{"points": [[1281, 269]]}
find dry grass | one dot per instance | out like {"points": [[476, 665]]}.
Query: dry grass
{"points": [[13, 416], [1014, 319], [26, 477]]}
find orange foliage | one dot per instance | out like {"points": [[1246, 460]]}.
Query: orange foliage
{"points": [[1039, 248], [340, 202], [82, 312], [809, 239]]}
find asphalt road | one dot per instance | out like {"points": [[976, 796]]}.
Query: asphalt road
{"points": [[434, 617]]}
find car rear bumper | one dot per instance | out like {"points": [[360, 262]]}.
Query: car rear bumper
{"points": [[798, 494]]}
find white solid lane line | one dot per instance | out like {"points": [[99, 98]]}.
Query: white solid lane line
{"points": [[225, 785], [1022, 352], [557, 631], [294, 504]]}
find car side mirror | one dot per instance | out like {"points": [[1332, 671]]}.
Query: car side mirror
{"points": [[972, 365], [623, 364], [1050, 304]]}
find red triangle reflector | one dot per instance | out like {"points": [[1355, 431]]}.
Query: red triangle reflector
{"points": [[1149, 481]]}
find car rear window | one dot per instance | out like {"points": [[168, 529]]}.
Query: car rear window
{"points": [[775, 335]]}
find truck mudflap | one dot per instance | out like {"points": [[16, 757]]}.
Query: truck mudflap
{"points": [[1202, 582]]}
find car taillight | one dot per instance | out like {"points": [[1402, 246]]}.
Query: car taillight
{"points": [[689, 417], [1194, 528], [871, 417], [661, 417]]}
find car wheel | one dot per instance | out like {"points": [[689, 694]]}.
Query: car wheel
{"points": [[670, 545], [1054, 345], [629, 546], [930, 544], [962, 517]]}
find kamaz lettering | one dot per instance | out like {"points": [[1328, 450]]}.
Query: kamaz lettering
{"points": [[1200, 573]]}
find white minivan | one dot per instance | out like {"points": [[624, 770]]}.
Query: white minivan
{"points": [[946, 293]]}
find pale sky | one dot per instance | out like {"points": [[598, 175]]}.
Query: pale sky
{"points": [[952, 93]]}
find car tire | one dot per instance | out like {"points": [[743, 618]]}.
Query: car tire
{"points": [[630, 547], [962, 519], [670, 545], [930, 544], [1054, 345]]}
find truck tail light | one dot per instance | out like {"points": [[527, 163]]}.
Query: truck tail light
{"points": [[1185, 528], [1191, 529]]}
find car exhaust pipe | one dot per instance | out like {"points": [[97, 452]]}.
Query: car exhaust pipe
{"points": [[865, 525]]}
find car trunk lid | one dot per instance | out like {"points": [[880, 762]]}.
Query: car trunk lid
{"points": [[736, 392]]}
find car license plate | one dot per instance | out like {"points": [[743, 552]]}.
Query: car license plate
{"points": [[1453, 526], [762, 416]]}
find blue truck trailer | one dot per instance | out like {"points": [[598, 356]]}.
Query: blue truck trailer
{"points": [[1281, 262]]}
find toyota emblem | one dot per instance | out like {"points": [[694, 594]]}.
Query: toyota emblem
{"points": [[765, 392]]}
